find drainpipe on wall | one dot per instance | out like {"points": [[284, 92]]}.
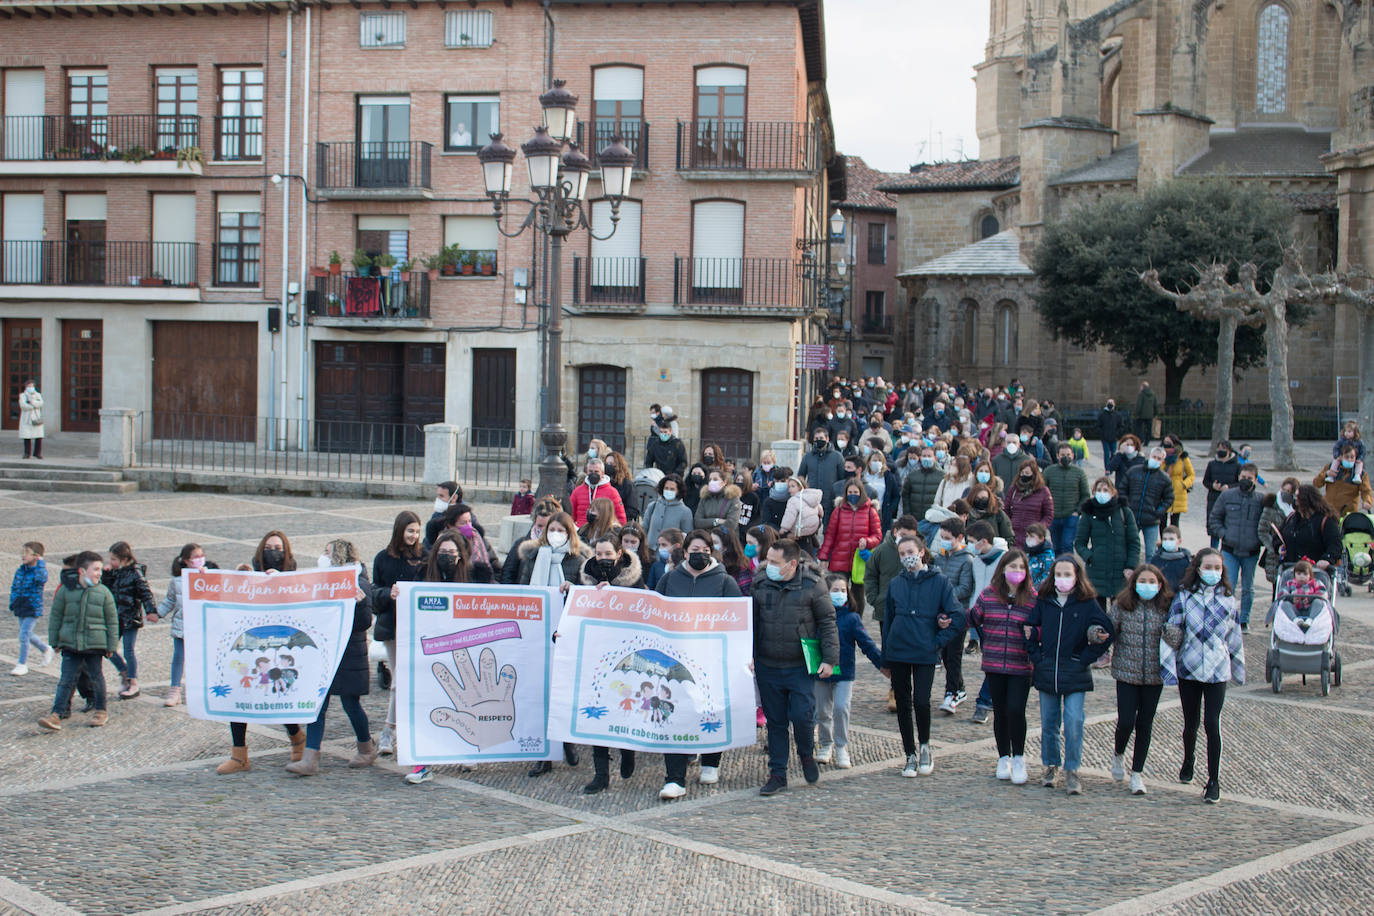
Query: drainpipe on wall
{"points": [[304, 441], [286, 225]]}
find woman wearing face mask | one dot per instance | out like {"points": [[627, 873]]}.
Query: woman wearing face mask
{"points": [[854, 529], [711, 457], [774, 504], [921, 616], [1108, 540], [956, 483], [633, 540], [600, 521], [1138, 615], [1277, 507], [718, 503], [31, 419], [691, 490], [402, 560], [1203, 629], [555, 559], [1029, 501], [1000, 614], [883, 480], [757, 540], [272, 556], [700, 576], [1127, 456], [1222, 473], [1344, 491], [750, 501], [668, 510], [1180, 470], [191, 556], [1068, 632], [984, 506], [802, 519], [1311, 532]]}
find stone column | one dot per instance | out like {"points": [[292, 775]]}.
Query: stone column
{"points": [[441, 453], [118, 438]]}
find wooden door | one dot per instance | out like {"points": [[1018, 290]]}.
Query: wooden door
{"points": [[493, 398], [424, 393], [86, 252], [23, 361], [601, 406], [727, 410], [358, 396], [82, 367], [207, 398]]}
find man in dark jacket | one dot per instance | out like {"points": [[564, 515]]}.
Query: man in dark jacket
{"points": [[1222, 473], [790, 603], [1234, 521], [821, 468], [921, 485], [1149, 494], [1145, 407], [1110, 427], [666, 451], [1069, 489]]}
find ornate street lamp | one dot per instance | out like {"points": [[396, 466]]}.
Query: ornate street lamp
{"points": [[559, 173]]}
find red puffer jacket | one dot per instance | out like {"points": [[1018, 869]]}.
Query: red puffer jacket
{"points": [[1025, 509], [847, 525]]}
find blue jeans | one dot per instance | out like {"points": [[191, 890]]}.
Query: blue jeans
{"points": [[789, 696], [1241, 572], [353, 708], [984, 700], [26, 638], [1108, 450], [127, 664], [72, 663], [1151, 534], [832, 711], [1066, 710], [178, 660], [1062, 533]]}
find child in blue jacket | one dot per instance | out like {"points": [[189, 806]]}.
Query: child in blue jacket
{"points": [[1040, 553], [833, 693], [26, 603]]}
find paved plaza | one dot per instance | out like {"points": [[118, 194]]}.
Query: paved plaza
{"points": [[132, 818]]}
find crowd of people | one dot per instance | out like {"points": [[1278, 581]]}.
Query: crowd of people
{"points": [[962, 520]]}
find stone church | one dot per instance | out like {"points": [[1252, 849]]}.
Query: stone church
{"points": [[1082, 98]]}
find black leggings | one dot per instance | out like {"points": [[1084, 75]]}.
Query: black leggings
{"points": [[238, 733], [911, 687], [1173, 520], [1135, 712], [952, 654], [1009, 693], [1193, 694]]}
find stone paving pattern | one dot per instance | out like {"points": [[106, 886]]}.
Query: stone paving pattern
{"points": [[132, 817]]}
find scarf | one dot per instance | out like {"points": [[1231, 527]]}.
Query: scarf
{"points": [[548, 566]]}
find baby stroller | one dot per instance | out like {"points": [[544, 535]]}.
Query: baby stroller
{"points": [[1302, 638], [1357, 538]]}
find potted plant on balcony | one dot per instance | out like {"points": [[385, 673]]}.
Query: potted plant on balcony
{"points": [[155, 280], [318, 272], [190, 155], [167, 152], [432, 263], [335, 263], [384, 264], [449, 259], [67, 152], [469, 263], [486, 262], [134, 154], [362, 264]]}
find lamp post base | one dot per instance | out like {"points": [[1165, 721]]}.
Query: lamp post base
{"points": [[553, 473]]}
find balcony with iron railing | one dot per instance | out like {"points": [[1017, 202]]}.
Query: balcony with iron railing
{"points": [[609, 284], [383, 169], [137, 144], [127, 271], [877, 325], [715, 148], [371, 299], [742, 285], [594, 136]]}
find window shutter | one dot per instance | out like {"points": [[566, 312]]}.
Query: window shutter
{"points": [[615, 261], [717, 243]]}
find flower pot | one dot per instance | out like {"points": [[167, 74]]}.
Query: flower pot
{"points": [[449, 270], [164, 154], [151, 281], [467, 269], [488, 269], [319, 272], [433, 274], [336, 269]]}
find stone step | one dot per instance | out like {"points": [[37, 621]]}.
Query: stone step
{"points": [[36, 471], [63, 485]]}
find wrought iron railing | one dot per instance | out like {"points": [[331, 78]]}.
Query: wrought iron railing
{"points": [[132, 137], [373, 164], [613, 281], [755, 282], [737, 144], [390, 295], [59, 263], [595, 135]]}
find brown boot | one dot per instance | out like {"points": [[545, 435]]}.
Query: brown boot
{"points": [[308, 765], [891, 701], [366, 756], [51, 722], [237, 762], [98, 718], [297, 745]]}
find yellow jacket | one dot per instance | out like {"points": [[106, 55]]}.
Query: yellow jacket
{"points": [[1181, 473]]}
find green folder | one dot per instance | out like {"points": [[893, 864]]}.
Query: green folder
{"points": [[811, 648]]}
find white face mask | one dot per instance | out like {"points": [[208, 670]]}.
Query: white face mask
{"points": [[557, 539], [440, 504], [323, 561]]}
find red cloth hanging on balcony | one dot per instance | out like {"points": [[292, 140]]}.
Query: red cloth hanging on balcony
{"points": [[363, 296]]}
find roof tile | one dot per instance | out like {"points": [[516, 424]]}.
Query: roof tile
{"points": [[968, 175]]}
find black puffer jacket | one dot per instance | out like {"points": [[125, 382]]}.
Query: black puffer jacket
{"points": [[390, 570], [1149, 494], [133, 598], [352, 678], [786, 612], [627, 573]]}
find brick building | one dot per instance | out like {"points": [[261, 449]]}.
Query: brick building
{"points": [[143, 229], [865, 294], [1090, 97]]}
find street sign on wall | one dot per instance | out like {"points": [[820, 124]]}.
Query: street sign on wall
{"points": [[815, 356]]}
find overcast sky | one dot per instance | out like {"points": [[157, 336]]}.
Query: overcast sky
{"points": [[900, 75]]}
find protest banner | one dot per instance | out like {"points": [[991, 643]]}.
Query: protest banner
{"points": [[450, 710], [264, 648], [633, 669]]}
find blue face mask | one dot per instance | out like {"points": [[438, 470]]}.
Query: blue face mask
{"points": [[1347, 464], [984, 476], [664, 437], [1146, 590], [1210, 576], [944, 544], [1102, 497], [779, 490], [664, 553], [839, 599], [773, 571], [853, 498], [751, 550], [927, 462], [1153, 463]]}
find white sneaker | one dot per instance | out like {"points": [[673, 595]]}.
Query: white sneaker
{"points": [[419, 775], [1118, 767], [1137, 784], [1004, 768], [948, 706], [671, 790], [909, 771], [709, 776], [842, 758], [927, 762], [386, 745], [1018, 771], [823, 753], [19, 670], [48, 653]]}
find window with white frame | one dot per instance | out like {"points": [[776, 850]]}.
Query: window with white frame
{"points": [[477, 241], [467, 29], [382, 29]]}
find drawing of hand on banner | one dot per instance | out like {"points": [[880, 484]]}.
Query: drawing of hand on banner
{"points": [[483, 712]]}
